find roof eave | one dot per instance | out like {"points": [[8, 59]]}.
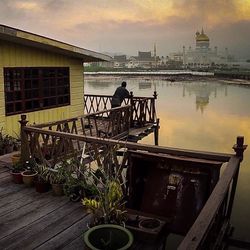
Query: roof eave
{"points": [[44, 43]]}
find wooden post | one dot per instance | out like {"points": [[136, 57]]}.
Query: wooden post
{"points": [[239, 148], [132, 109], [156, 132], [24, 142], [155, 95]]}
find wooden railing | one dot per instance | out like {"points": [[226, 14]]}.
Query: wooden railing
{"points": [[34, 138], [143, 108], [212, 227], [114, 123]]}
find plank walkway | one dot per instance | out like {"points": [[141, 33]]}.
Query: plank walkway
{"points": [[30, 220]]}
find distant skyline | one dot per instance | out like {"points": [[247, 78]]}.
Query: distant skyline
{"points": [[127, 26]]}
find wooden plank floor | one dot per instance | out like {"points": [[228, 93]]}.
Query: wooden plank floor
{"points": [[30, 220]]}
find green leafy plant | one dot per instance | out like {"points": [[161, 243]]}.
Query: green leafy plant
{"points": [[18, 167], [42, 173], [108, 206], [58, 176], [7, 143]]}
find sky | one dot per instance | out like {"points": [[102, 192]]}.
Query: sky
{"points": [[129, 26]]}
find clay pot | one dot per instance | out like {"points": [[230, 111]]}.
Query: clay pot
{"points": [[150, 224], [57, 189], [108, 236], [17, 177], [42, 187], [28, 178], [15, 158]]}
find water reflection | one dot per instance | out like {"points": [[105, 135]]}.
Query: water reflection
{"points": [[202, 91], [199, 115], [145, 85]]}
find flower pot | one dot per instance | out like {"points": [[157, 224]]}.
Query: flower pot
{"points": [[57, 189], [17, 177], [150, 224], [28, 178], [42, 187], [15, 158], [108, 236]]}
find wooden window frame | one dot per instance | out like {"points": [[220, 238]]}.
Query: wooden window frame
{"points": [[29, 89]]}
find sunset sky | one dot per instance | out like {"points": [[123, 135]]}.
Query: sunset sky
{"points": [[127, 26]]}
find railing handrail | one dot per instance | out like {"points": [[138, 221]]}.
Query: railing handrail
{"points": [[200, 228], [223, 157], [106, 111], [49, 124], [110, 96]]}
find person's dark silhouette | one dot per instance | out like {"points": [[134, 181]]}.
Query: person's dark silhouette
{"points": [[120, 94]]}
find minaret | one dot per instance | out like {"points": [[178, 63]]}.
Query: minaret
{"points": [[184, 55], [155, 55], [226, 54], [216, 50]]}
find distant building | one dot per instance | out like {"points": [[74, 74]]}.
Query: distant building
{"points": [[145, 60], [203, 56], [120, 61]]}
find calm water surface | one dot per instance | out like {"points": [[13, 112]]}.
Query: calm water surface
{"points": [[203, 115]]}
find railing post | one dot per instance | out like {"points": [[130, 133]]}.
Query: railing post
{"points": [[132, 109], [24, 141], [156, 132], [154, 109], [155, 95], [239, 149]]}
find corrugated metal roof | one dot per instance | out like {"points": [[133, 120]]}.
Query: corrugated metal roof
{"points": [[29, 39]]}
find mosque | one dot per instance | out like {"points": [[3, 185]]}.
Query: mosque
{"points": [[203, 56]]}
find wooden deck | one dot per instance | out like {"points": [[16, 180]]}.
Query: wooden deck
{"points": [[30, 220]]}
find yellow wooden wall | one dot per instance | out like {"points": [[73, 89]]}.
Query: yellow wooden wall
{"points": [[14, 55]]}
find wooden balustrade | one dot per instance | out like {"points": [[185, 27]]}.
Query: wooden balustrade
{"points": [[212, 227], [143, 108], [63, 140]]}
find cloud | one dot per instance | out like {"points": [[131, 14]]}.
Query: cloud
{"points": [[132, 24]]}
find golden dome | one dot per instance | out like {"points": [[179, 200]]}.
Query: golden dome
{"points": [[201, 37]]}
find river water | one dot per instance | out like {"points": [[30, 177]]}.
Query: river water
{"points": [[198, 114]]}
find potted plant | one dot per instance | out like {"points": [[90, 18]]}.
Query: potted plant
{"points": [[57, 179], [76, 186], [9, 143], [16, 158], [16, 172], [30, 173], [108, 208], [42, 179]]}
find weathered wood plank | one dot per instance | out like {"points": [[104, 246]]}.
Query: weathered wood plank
{"points": [[29, 213], [4, 169], [207, 214], [77, 243], [7, 187], [17, 200], [4, 174], [65, 237], [45, 228]]}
